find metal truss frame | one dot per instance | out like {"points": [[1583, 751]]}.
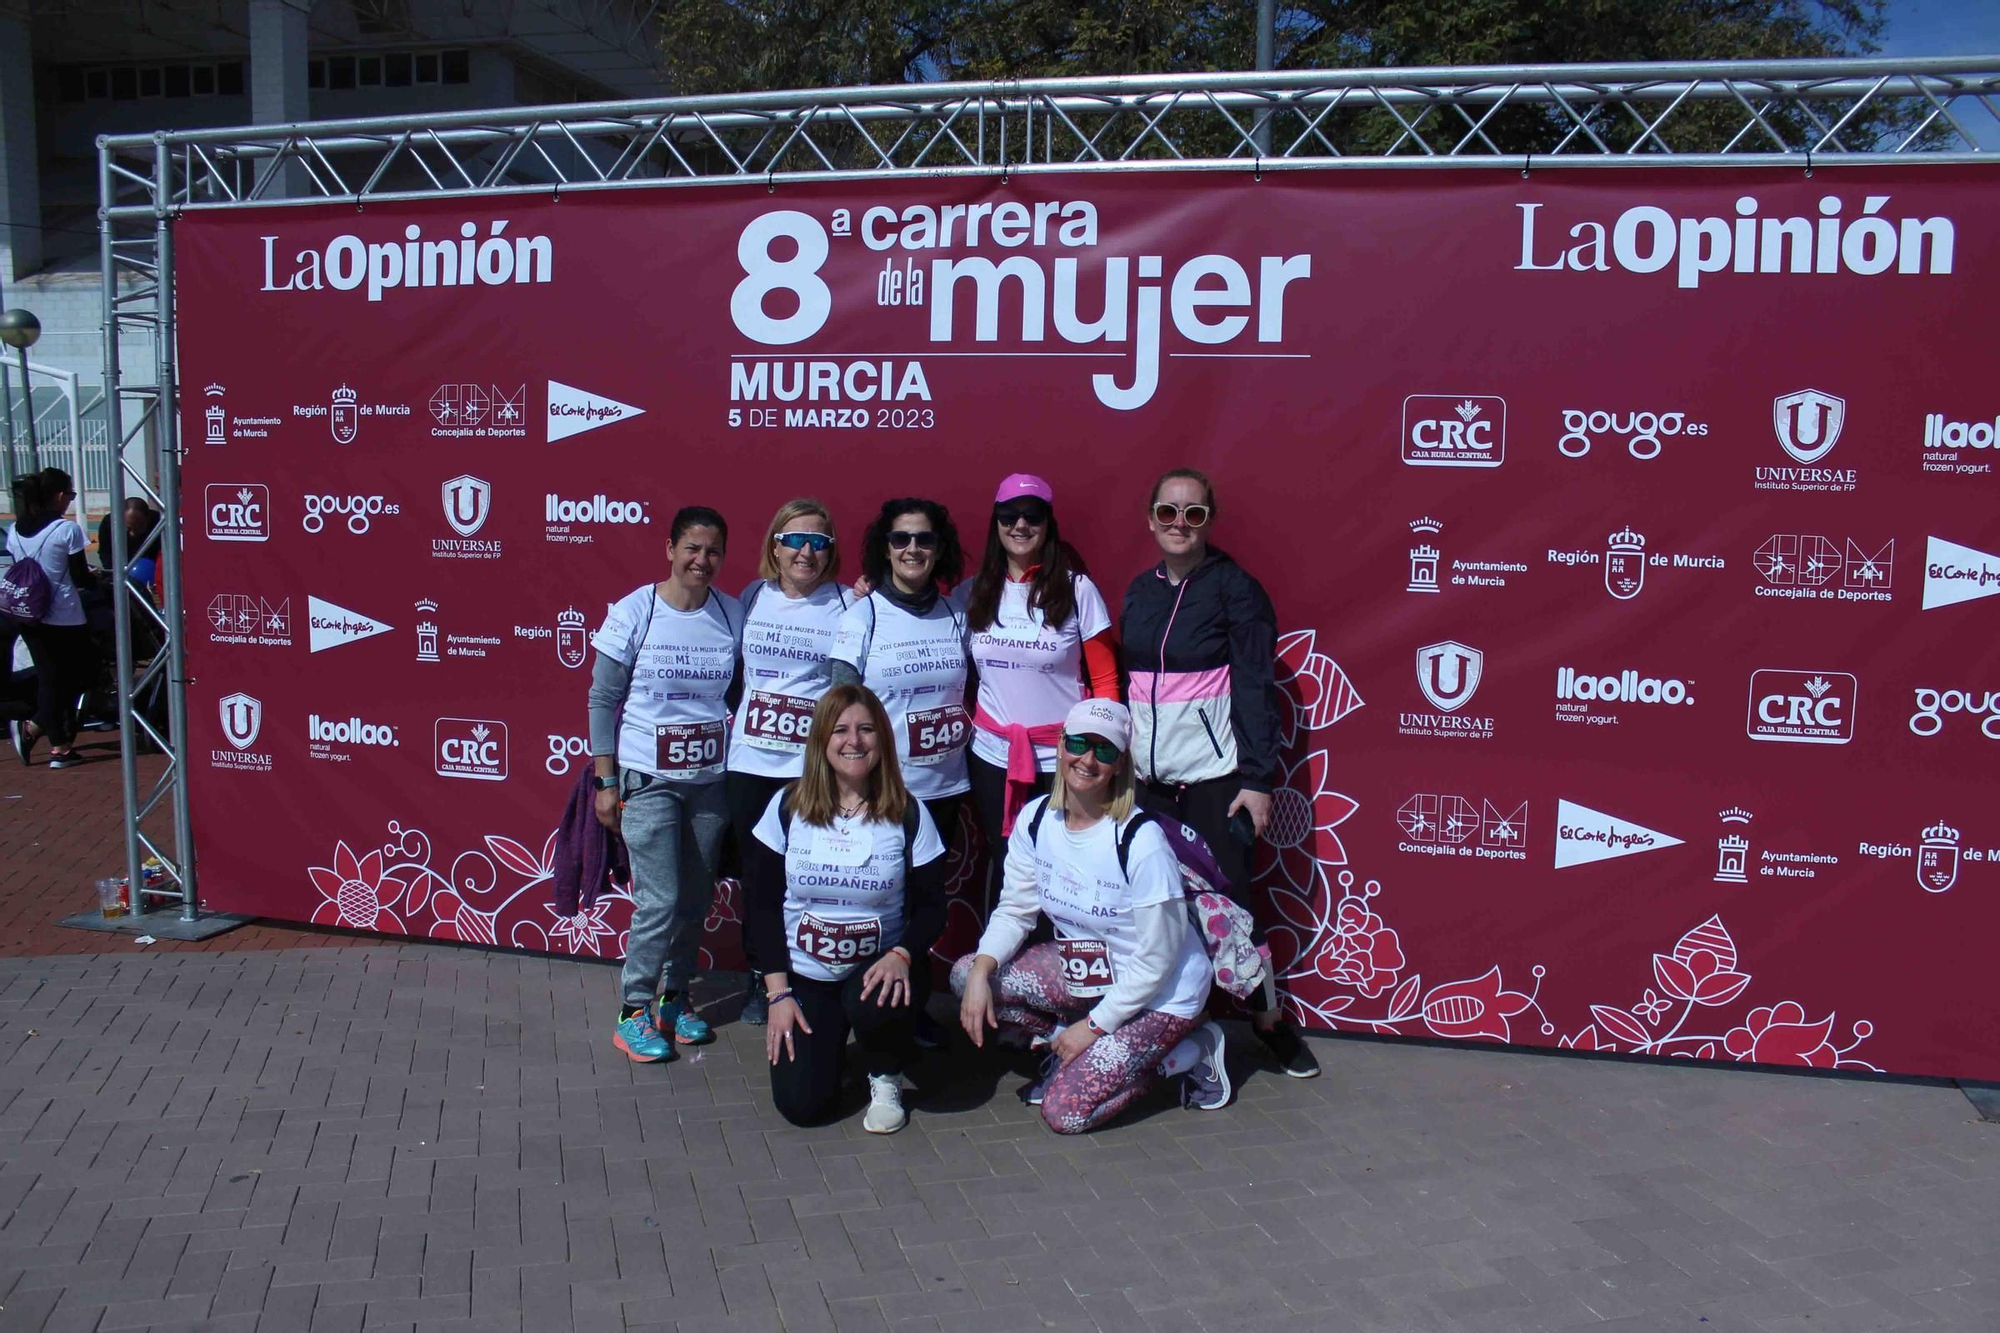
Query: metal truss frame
{"points": [[1798, 113]]}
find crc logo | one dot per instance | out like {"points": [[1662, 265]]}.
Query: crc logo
{"points": [[242, 719], [1448, 673], [1808, 423], [359, 510], [1802, 707], [1454, 430], [1932, 705], [564, 749], [1640, 432], [470, 747], [467, 502], [237, 511]]}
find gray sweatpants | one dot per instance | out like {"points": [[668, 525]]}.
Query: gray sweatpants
{"points": [[673, 831]]}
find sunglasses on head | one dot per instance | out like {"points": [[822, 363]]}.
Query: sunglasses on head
{"points": [[1195, 516], [798, 541], [1035, 511], [1106, 752], [924, 541]]}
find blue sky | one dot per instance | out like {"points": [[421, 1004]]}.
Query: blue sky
{"points": [[1942, 28]]}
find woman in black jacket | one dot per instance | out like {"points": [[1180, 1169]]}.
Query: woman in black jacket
{"points": [[1201, 650]]}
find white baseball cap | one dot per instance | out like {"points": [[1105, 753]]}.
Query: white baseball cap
{"points": [[1101, 717]]}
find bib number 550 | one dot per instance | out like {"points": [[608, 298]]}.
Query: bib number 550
{"points": [[686, 747]]}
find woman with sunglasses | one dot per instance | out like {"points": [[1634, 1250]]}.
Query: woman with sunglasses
{"points": [[1118, 994], [845, 895], [666, 661], [906, 642], [1041, 638], [1201, 651], [790, 613]]}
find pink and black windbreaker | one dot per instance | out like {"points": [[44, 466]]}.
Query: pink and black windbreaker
{"points": [[1199, 656]]}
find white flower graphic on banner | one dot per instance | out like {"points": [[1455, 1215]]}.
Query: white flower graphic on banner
{"points": [[356, 892]]}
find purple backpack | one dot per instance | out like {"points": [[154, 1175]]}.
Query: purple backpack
{"points": [[1224, 927], [25, 593]]}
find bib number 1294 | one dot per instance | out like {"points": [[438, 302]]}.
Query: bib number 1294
{"points": [[1086, 966]]}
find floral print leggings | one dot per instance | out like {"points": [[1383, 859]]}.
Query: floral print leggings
{"points": [[1030, 993]]}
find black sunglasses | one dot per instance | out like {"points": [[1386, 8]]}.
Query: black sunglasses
{"points": [[925, 541], [1035, 511]]}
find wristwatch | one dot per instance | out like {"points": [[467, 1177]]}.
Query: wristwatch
{"points": [[602, 783]]}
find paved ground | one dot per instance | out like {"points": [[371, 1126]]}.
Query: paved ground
{"points": [[342, 1138]]}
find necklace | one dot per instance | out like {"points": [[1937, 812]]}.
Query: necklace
{"points": [[847, 812]]}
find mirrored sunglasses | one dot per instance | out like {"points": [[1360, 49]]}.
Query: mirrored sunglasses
{"points": [[798, 541], [1106, 752]]}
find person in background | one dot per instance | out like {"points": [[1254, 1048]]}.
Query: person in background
{"points": [[140, 520], [59, 641], [906, 642], [844, 895], [666, 659], [1041, 640], [791, 611], [1201, 652], [1118, 994]]}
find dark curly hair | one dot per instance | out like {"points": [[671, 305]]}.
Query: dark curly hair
{"points": [[950, 566]]}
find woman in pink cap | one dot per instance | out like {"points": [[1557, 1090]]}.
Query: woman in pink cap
{"points": [[1041, 638]]}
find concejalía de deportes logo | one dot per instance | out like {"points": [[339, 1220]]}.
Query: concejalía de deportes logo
{"points": [[1120, 302]]}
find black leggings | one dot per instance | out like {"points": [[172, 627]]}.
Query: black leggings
{"points": [[62, 664], [748, 795], [989, 804], [1204, 807], [806, 1086]]}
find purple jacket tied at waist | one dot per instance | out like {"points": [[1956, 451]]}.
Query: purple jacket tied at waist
{"points": [[589, 856]]}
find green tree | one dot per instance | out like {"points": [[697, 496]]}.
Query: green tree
{"points": [[722, 46]]}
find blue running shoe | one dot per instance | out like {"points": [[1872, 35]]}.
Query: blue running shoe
{"points": [[689, 1028], [756, 1009], [639, 1037]]}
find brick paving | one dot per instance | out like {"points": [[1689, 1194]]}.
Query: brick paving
{"points": [[235, 1136]]}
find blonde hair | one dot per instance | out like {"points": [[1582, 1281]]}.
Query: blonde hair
{"points": [[816, 794], [1124, 789], [790, 512]]}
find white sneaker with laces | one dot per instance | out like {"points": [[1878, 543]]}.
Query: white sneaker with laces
{"points": [[885, 1114]]}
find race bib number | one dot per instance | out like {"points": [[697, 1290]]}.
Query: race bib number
{"points": [[1086, 967], [687, 747], [777, 721], [935, 733], [838, 944]]}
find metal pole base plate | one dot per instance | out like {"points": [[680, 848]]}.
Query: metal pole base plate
{"points": [[164, 925]]}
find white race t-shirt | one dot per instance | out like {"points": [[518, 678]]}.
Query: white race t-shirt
{"points": [[676, 724], [916, 666], [1029, 674], [786, 641], [1090, 902], [844, 887], [51, 548]]}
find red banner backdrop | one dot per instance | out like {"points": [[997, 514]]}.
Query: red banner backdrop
{"points": [[1633, 535]]}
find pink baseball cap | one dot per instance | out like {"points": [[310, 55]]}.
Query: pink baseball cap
{"points": [[1022, 484]]}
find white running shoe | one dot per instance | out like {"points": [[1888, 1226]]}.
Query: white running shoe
{"points": [[885, 1113], [1207, 1086]]}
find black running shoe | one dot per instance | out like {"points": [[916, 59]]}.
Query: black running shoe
{"points": [[756, 1007], [1290, 1053]]}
